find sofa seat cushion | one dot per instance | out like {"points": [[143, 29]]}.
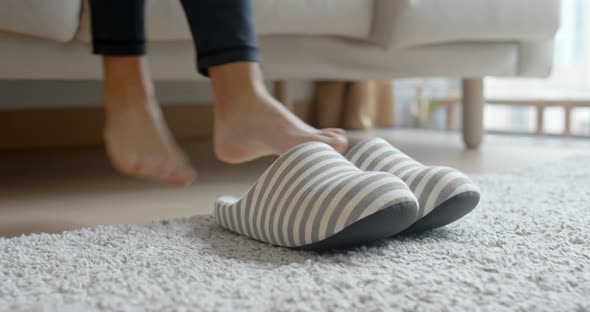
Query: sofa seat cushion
{"points": [[346, 18], [56, 19], [419, 22]]}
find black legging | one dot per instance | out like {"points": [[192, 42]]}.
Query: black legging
{"points": [[223, 30]]}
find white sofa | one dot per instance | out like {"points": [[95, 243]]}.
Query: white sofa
{"points": [[312, 40]]}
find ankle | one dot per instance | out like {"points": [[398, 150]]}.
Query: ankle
{"points": [[237, 80], [243, 106], [126, 82]]}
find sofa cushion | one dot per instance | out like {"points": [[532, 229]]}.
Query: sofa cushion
{"points": [[56, 19], [419, 22], [346, 18]]}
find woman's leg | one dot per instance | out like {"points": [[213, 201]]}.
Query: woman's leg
{"points": [[249, 122], [137, 139]]}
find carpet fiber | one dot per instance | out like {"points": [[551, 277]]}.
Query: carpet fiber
{"points": [[526, 247]]}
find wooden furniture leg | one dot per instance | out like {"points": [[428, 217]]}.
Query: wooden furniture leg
{"points": [[540, 119], [329, 101], [567, 125], [385, 104], [473, 105], [281, 93], [360, 105]]}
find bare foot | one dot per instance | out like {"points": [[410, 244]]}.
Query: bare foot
{"points": [[137, 139], [250, 123]]}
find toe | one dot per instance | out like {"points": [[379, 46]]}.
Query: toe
{"points": [[338, 141], [127, 164], [173, 173], [150, 167], [157, 168], [182, 177], [336, 131]]}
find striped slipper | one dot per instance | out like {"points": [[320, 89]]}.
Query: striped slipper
{"points": [[444, 194], [313, 198]]}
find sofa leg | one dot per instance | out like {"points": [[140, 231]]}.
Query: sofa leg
{"points": [[473, 104]]}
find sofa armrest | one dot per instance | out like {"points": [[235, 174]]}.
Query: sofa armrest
{"points": [[54, 19], [407, 23]]}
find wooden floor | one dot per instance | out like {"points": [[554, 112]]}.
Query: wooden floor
{"points": [[57, 190]]}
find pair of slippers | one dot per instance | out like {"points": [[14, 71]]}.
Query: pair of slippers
{"points": [[313, 198]]}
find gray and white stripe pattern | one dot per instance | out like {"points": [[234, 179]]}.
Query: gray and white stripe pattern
{"points": [[431, 185], [307, 195]]}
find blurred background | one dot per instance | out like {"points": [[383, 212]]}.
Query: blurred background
{"points": [[569, 80]]}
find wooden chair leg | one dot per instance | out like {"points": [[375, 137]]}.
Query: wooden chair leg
{"points": [[540, 119], [473, 105], [567, 127], [451, 122]]}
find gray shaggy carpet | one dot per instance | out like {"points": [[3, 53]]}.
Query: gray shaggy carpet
{"points": [[525, 248]]}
